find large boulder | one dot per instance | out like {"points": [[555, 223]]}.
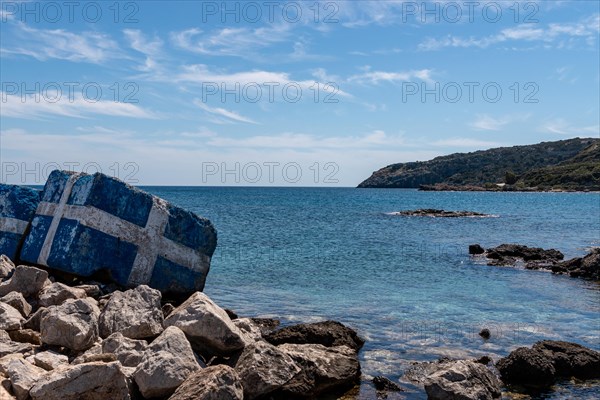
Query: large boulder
{"points": [[90, 381], [166, 364], [49, 360], [17, 301], [323, 369], [135, 313], [219, 382], [17, 206], [7, 346], [23, 375], [571, 359], [129, 352], [73, 324], [462, 380], [207, 325], [327, 333], [10, 318], [57, 293], [527, 366], [86, 224], [264, 368], [7, 267], [548, 360], [507, 254], [26, 280]]}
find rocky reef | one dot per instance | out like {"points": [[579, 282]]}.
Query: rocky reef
{"points": [[431, 212], [586, 267]]}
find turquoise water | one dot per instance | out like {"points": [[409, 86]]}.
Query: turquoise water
{"points": [[406, 284]]}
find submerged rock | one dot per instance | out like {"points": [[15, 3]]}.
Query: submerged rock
{"points": [[383, 384], [431, 212], [90, 224], [462, 379], [327, 333]]}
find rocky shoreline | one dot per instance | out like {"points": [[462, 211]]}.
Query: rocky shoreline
{"points": [[89, 340], [67, 338], [443, 187], [535, 258]]}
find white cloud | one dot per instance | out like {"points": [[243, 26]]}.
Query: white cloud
{"points": [[587, 28], [77, 107], [562, 127], [237, 42], [376, 77], [289, 140], [44, 44], [231, 115], [485, 122]]}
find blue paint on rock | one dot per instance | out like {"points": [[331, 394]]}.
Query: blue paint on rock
{"points": [[85, 250], [16, 203], [171, 277]]}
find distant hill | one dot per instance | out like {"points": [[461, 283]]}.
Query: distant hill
{"points": [[572, 164]]}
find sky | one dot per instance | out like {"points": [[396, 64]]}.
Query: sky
{"points": [[296, 93]]}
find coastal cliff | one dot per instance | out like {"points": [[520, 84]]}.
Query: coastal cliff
{"points": [[572, 164]]}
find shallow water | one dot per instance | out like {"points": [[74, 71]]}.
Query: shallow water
{"points": [[407, 284]]}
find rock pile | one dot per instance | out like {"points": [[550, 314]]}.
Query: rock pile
{"points": [[93, 342], [587, 267]]}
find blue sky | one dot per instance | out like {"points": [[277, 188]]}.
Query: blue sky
{"points": [[286, 93]]}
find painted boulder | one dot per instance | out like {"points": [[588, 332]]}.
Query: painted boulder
{"points": [[90, 224], [17, 207]]}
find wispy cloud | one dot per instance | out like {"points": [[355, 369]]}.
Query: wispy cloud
{"points": [[376, 77], [77, 107], [587, 28], [485, 122], [221, 112], [237, 42], [561, 126], [44, 44]]}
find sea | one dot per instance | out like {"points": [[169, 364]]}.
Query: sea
{"points": [[406, 284]]}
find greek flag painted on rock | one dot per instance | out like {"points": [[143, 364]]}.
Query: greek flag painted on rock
{"points": [[86, 224], [17, 206]]}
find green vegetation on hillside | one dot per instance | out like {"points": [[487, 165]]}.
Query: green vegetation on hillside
{"points": [[572, 164]]}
